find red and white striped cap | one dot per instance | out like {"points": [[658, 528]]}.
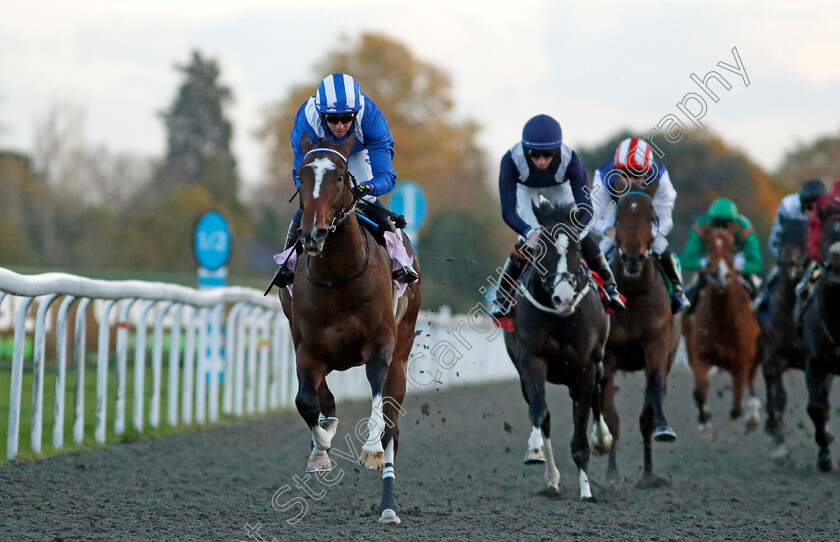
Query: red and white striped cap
{"points": [[633, 154]]}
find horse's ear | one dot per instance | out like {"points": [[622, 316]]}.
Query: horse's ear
{"points": [[345, 147], [305, 143]]}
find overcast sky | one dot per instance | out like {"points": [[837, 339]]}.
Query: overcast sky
{"points": [[595, 66]]}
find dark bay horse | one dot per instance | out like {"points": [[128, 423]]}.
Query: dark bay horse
{"points": [[558, 336], [343, 313], [784, 348], [723, 331], [646, 335], [821, 333]]}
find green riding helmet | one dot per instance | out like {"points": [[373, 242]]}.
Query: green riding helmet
{"points": [[723, 209]]}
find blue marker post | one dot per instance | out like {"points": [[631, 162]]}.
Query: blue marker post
{"points": [[407, 199], [211, 244]]}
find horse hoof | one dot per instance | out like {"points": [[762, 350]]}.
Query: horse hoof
{"points": [[534, 456], [372, 460], [389, 516], [319, 463], [664, 433], [824, 461]]}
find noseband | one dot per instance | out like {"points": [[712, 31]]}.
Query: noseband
{"points": [[545, 280]]}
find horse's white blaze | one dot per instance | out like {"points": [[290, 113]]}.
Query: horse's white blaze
{"points": [[376, 427], [320, 166], [585, 490], [552, 475], [723, 270], [535, 441], [633, 206], [562, 248]]}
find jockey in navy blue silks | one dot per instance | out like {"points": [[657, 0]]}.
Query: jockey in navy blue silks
{"points": [[634, 164], [337, 111], [542, 165]]}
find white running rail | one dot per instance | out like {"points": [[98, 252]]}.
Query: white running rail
{"points": [[237, 356], [253, 322]]}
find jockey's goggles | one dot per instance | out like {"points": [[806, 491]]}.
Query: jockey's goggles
{"points": [[542, 153], [336, 118]]}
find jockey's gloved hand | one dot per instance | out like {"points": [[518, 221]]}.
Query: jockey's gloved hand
{"points": [[361, 190], [532, 237]]}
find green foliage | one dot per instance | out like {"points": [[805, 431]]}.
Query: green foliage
{"points": [[457, 257], [199, 133], [819, 159]]}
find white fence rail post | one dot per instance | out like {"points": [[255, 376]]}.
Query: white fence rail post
{"points": [[79, 355], [40, 352], [122, 363], [102, 371], [17, 379], [61, 375], [157, 364]]}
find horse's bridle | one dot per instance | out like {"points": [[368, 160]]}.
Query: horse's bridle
{"points": [[655, 223], [550, 285], [340, 217], [342, 213]]}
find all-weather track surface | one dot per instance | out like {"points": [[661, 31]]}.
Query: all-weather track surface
{"points": [[459, 477]]}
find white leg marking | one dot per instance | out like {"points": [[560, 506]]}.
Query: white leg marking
{"points": [[753, 413], [388, 472], [323, 433], [535, 447], [552, 475], [376, 427], [585, 490], [535, 441], [601, 439]]}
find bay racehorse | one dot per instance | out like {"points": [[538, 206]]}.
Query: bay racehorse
{"points": [[821, 333], [784, 348], [344, 313], [723, 331], [558, 336], [645, 336]]}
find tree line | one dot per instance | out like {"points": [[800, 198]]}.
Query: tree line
{"points": [[71, 208]]}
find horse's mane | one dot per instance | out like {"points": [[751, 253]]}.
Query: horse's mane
{"points": [[559, 213]]}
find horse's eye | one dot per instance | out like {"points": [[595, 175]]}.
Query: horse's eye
{"points": [[339, 179]]}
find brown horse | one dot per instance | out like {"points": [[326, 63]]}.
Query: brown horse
{"points": [[343, 314], [646, 335], [723, 331]]}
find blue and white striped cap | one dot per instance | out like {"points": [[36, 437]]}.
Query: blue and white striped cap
{"points": [[338, 93]]}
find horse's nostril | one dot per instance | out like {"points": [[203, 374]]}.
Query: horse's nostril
{"points": [[320, 234]]}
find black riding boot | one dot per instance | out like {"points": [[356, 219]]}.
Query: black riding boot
{"points": [[672, 270], [284, 276], [597, 262], [507, 284]]}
